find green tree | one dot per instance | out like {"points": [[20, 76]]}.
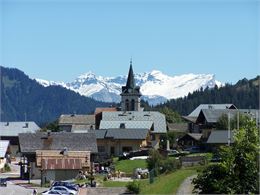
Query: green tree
{"points": [[170, 115], [154, 161], [53, 126], [238, 171], [222, 122]]}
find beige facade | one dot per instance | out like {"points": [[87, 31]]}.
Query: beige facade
{"points": [[117, 147], [51, 165], [52, 159]]}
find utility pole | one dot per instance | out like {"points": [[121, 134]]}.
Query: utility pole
{"points": [[228, 128], [237, 120]]}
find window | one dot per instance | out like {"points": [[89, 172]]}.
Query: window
{"points": [[122, 126], [101, 149], [132, 104], [127, 105]]}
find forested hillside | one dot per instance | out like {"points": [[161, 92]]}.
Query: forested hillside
{"points": [[23, 98], [244, 94]]}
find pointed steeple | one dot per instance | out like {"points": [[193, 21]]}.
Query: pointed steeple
{"points": [[130, 96], [130, 84]]}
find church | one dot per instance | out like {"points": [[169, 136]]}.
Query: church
{"points": [[131, 128]]}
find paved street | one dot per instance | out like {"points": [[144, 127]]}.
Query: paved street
{"points": [[13, 189]]}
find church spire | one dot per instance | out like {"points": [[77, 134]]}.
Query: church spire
{"points": [[130, 79]]}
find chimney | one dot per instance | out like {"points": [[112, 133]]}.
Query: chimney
{"points": [[7, 124], [48, 133], [26, 125]]}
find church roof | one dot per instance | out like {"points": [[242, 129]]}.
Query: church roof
{"points": [[130, 87], [130, 79]]}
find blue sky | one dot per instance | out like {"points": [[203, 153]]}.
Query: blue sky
{"points": [[59, 40]]}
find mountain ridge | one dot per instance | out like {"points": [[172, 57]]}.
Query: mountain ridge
{"points": [[156, 87]]}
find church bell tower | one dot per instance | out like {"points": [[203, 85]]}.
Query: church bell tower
{"points": [[130, 96]]}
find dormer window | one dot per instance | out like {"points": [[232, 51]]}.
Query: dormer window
{"points": [[122, 126]]}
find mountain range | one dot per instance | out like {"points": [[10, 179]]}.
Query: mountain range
{"points": [[22, 98], [156, 87]]}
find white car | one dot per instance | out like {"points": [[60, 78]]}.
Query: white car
{"points": [[53, 192], [64, 190]]}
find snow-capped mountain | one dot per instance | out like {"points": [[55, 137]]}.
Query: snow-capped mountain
{"points": [[156, 87]]}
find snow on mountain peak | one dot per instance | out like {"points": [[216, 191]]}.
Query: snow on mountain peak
{"points": [[156, 87]]}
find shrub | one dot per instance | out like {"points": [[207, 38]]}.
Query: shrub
{"points": [[7, 168], [169, 165], [133, 187]]}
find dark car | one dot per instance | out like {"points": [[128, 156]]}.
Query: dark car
{"points": [[194, 149], [3, 182], [216, 158], [69, 185]]}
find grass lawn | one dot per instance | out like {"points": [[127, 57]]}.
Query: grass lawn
{"points": [[128, 166], [167, 184]]}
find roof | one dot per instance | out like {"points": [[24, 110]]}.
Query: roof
{"points": [[128, 124], [220, 137], [30, 142], [178, 127], [108, 109], [127, 134], [3, 147], [190, 118], [196, 112], [130, 87], [14, 128], [158, 119], [130, 84], [76, 119], [212, 116], [195, 136], [82, 127]]}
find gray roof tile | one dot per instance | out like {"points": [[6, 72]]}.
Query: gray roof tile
{"points": [[14, 128], [76, 119], [196, 112], [30, 142], [145, 117], [220, 137], [126, 134]]}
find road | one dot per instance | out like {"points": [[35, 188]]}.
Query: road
{"points": [[186, 187], [13, 189]]}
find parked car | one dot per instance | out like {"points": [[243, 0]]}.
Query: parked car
{"points": [[67, 184], [3, 182], [193, 149], [53, 192], [173, 152], [215, 158], [64, 190]]}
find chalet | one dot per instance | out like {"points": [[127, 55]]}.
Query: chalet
{"points": [[55, 155], [190, 139], [153, 121], [98, 114], [193, 127], [10, 130], [74, 122], [117, 141]]}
